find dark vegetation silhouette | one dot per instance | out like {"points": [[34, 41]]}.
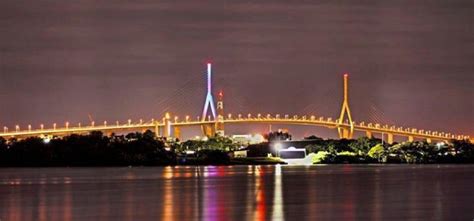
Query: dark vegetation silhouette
{"points": [[145, 149], [371, 150], [277, 135], [94, 149]]}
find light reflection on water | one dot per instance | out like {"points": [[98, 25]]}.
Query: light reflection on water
{"points": [[339, 192], [277, 210]]}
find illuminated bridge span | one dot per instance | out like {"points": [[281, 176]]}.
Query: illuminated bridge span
{"points": [[214, 124], [172, 127]]}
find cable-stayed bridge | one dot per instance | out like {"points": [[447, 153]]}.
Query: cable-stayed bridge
{"points": [[213, 124]]}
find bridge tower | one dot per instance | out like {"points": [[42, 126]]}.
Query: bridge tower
{"points": [[209, 129], [344, 131], [209, 100], [220, 114]]}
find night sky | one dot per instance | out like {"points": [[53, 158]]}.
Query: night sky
{"points": [[411, 63]]}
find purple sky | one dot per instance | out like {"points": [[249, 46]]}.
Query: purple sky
{"points": [[410, 62]]}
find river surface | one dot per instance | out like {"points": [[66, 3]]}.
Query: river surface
{"points": [[333, 192]]}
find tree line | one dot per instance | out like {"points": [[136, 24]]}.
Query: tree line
{"points": [[371, 150], [96, 149], [93, 149]]}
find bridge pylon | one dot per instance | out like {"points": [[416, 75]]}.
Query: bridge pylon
{"points": [[209, 102], [220, 114], [344, 131], [209, 130]]}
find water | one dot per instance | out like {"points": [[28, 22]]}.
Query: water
{"points": [[335, 192]]}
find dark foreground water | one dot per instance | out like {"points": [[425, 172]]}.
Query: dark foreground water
{"points": [[335, 192]]}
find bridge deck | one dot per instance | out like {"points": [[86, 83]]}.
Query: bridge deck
{"points": [[295, 120]]}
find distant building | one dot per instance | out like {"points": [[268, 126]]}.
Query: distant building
{"points": [[295, 156], [292, 153], [240, 153], [248, 139]]}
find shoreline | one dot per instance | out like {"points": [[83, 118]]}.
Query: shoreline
{"points": [[146, 149], [239, 163]]}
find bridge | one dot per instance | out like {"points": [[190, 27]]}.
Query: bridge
{"points": [[213, 124]]}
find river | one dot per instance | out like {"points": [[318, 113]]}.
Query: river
{"points": [[327, 192]]}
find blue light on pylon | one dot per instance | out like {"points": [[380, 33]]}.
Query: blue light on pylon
{"points": [[209, 99]]}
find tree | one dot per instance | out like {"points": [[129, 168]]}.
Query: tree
{"points": [[377, 152], [278, 135], [339, 145], [316, 147], [216, 143], [212, 156], [313, 137], [414, 152], [362, 145], [3, 150], [464, 150]]}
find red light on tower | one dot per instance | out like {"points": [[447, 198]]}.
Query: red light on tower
{"points": [[346, 75], [220, 114]]}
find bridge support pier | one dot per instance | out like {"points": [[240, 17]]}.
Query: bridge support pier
{"points": [[177, 132], [390, 138], [344, 133], [167, 126], [368, 134], [410, 139], [428, 140], [209, 130], [157, 129]]}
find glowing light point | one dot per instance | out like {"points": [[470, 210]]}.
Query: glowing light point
{"points": [[278, 146], [46, 140]]}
